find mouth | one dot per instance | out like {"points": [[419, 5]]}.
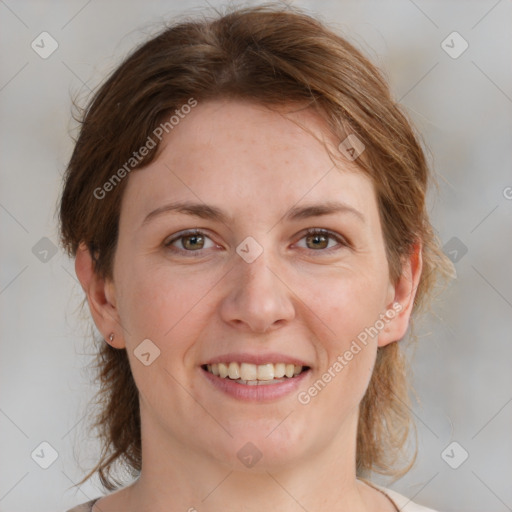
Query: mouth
{"points": [[248, 374]]}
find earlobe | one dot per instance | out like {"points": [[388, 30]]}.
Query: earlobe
{"points": [[100, 295], [404, 292]]}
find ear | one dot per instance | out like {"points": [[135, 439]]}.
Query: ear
{"points": [[402, 296], [100, 296]]}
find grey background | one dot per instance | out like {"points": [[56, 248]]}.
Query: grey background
{"points": [[462, 106]]}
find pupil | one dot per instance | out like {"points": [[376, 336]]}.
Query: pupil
{"points": [[319, 241], [192, 241]]}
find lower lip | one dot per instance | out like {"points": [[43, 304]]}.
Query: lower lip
{"points": [[267, 392]]}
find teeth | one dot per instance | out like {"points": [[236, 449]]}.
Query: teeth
{"points": [[252, 374], [234, 371], [248, 371], [265, 372], [280, 370], [223, 370]]}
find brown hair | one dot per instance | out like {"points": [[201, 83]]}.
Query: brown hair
{"points": [[270, 55]]}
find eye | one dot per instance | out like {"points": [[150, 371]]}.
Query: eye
{"points": [[190, 241], [321, 239]]}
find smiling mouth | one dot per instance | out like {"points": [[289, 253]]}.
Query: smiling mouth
{"points": [[255, 374]]}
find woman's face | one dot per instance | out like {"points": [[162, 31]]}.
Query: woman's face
{"points": [[215, 266]]}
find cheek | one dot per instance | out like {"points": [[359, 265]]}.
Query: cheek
{"points": [[349, 310], [351, 304], [171, 310], [162, 304]]}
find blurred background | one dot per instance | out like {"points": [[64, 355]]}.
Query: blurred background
{"points": [[448, 62]]}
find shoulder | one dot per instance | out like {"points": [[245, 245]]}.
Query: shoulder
{"points": [[404, 504], [84, 507]]}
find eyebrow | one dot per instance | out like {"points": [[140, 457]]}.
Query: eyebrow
{"points": [[200, 210], [214, 213], [318, 210]]}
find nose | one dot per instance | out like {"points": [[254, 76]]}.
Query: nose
{"points": [[258, 299]]}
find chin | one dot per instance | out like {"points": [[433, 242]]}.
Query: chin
{"points": [[262, 445]]}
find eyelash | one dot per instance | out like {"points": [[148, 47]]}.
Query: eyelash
{"points": [[309, 232]]}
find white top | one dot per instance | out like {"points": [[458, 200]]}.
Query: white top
{"points": [[404, 504]]}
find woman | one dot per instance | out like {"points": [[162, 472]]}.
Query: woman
{"points": [[246, 206]]}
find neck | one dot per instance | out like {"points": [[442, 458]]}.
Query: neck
{"points": [[174, 476]]}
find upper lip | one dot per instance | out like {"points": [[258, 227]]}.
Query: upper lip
{"points": [[257, 359]]}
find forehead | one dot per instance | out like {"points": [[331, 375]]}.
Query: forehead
{"points": [[250, 156], [224, 130]]}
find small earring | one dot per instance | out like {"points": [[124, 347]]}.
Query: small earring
{"points": [[111, 337]]}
